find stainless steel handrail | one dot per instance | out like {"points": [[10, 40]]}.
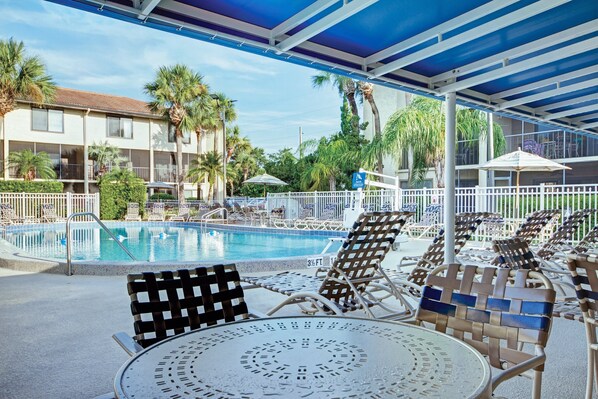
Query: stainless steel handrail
{"points": [[69, 270], [204, 221]]}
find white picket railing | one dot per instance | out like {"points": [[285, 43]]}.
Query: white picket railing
{"points": [[28, 205], [501, 200]]}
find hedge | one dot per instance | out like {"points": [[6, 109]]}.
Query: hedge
{"points": [[23, 186], [116, 191]]}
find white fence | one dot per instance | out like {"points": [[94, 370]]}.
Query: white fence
{"points": [[501, 200], [28, 205]]}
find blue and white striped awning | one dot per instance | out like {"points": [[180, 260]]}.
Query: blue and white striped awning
{"points": [[530, 59]]}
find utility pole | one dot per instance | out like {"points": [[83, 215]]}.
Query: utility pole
{"points": [[300, 142]]}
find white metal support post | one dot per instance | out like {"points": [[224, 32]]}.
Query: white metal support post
{"points": [[449, 178]]}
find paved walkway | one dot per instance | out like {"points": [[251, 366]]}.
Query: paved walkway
{"points": [[55, 336]]}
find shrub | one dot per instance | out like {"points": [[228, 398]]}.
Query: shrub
{"points": [[117, 189], [161, 197], [22, 186]]}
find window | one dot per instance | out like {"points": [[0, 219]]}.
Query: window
{"points": [[120, 127], [47, 120], [172, 135]]}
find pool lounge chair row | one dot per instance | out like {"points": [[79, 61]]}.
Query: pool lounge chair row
{"points": [[9, 216]]}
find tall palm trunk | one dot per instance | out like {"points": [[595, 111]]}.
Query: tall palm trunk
{"points": [[198, 134], [332, 183], [368, 92], [349, 89]]}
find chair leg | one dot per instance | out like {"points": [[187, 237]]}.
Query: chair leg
{"points": [[537, 389], [591, 338]]}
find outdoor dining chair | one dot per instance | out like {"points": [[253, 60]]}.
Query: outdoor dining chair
{"points": [[357, 266], [133, 212], [169, 303], [182, 213], [157, 212], [584, 274], [495, 311]]}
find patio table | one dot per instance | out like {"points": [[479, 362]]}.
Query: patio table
{"points": [[315, 356]]}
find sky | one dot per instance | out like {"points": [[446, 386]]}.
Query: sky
{"points": [[94, 53]]}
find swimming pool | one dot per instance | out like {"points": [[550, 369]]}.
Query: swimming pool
{"points": [[166, 242]]}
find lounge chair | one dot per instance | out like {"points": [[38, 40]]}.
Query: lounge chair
{"points": [[9, 216], [306, 219], [169, 303], [182, 214], [133, 212], [201, 211], [465, 226], [49, 214], [156, 212], [357, 265], [430, 220], [496, 312], [328, 219]]}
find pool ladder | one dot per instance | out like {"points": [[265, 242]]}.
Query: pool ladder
{"points": [[206, 217], [69, 270]]}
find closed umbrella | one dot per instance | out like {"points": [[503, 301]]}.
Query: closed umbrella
{"points": [[266, 180], [521, 161]]}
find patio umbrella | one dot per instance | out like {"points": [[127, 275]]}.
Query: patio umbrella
{"points": [[521, 161], [158, 185], [266, 180]]}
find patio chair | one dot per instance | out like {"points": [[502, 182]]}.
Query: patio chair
{"points": [[133, 212], [558, 243], [357, 265], [201, 211], [169, 303], [49, 214], [9, 216], [329, 219], [306, 219], [588, 242], [429, 221], [465, 226], [535, 223], [584, 274], [182, 213], [494, 311], [156, 212]]}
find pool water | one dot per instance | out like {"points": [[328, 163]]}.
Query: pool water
{"points": [[165, 242]]}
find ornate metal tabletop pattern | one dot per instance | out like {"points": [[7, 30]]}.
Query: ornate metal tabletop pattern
{"points": [[296, 357]]}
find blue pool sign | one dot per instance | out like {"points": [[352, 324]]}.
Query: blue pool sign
{"points": [[359, 180]]}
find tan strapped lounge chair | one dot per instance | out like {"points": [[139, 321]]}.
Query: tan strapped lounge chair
{"points": [[428, 223], [535, 223], [182, 214], [49, 214], [465, 226], [357, 265], [157, 212], [584, 274], [9, 216], [133, 212], [496, 312], [172, 302]]}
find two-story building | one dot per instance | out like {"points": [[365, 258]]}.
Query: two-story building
{"points": [[576, 150], [78, 119]]}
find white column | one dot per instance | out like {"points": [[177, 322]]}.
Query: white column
{"points": [[449, 179], [5, 148], [151, 151], [490, 147], [85, 154]]}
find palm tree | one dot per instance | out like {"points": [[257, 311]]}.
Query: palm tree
{"points": [[346, 88], [420, 128], [367, 90], [30, 165], [222, 106], [235, 143], [105, 155], [21, 76], [202, 117], [174, 91], [208, 165], [330, 157]]}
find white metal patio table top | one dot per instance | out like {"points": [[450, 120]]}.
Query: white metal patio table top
{"points": [[317, 356]]}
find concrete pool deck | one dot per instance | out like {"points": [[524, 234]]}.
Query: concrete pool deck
{"points": [[56, 336]]}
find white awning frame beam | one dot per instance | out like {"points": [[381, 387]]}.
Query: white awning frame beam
{"points": [[147, 6], [335, 17], [586, 117], [530, 63], [549, 93], [302, 16], [573, 111], [481, 30], [437, 30], [566, 103]]}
